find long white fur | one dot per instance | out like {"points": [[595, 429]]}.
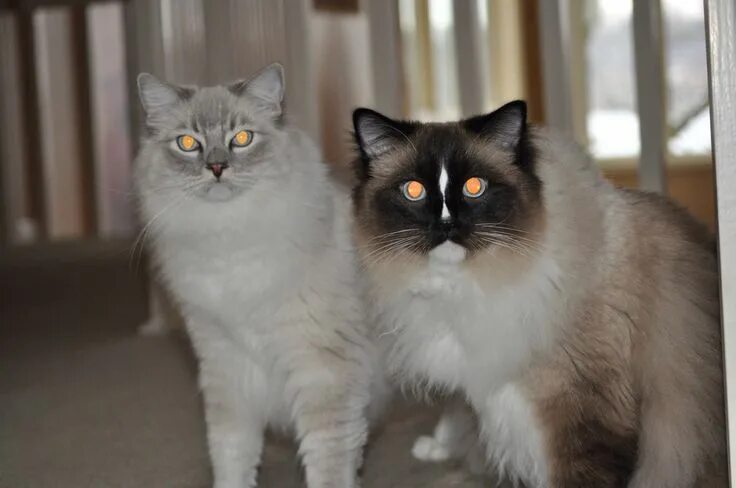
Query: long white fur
{"points": [[267, 284]]}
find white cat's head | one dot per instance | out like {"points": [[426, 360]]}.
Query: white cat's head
{"points": [[211, 143]]}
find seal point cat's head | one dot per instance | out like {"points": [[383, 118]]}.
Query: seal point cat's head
{"points": [[471, 183]]}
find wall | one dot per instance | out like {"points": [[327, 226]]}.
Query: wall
{"points": [[690, 185], [343, 74]]}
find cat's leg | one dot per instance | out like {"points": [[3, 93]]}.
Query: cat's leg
{"points": [[329, 408], [513, 437], [681, 443], [585, 420], [587, 448], [235, 419], [454, 437]]}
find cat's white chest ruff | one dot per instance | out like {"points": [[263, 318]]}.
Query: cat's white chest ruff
{"points": [[449, 330], [424, 321], [442, 277], [230, 285]]}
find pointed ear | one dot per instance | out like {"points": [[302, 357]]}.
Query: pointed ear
{"points": [[377, 134], [157, 97], [267, 86], [506, 124]]}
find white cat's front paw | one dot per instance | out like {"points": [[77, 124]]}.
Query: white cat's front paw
{"points": [[429, 449]]}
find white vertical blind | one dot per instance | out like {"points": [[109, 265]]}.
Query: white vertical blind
{"points": [[59, 121], [471, 57], [555, 48], [385, 42], [650, 94], [721, 35], [16, 225]]}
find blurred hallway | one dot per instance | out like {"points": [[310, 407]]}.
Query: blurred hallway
{"points": [[86, 402]]}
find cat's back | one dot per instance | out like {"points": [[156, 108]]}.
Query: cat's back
{"points": [[663, 226], [661, 262]]}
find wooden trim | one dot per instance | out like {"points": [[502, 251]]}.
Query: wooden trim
{"points": [[533, 78], [133, 67], [28, 5], [300, 78], [339, 6], [470, 57], [12, 154], [424, 56], [386, 62], [80, 57], [695, 160], [32, 127]]}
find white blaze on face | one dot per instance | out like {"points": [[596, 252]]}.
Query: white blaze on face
{"points": [[443, 187]]}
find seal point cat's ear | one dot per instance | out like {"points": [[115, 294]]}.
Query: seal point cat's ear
{"points": [[376, 134], [506, 124], [157, 96], [267, 86]]}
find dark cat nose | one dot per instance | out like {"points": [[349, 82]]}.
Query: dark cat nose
{"points": [[217, 168], [448, 228]]}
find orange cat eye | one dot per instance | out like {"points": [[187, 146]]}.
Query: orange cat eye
{"points": [[413, 190], [474, 187], [187, 143], [242, 138]]}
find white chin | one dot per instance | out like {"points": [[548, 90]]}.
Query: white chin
{"points": [[219, 192], [448, 253]]}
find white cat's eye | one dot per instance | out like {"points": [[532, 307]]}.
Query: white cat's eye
{"points": [[474, 187], [413, 190], [187, 143], [241, 139]]}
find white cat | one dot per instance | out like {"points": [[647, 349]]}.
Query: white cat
{"points": [[252, 239]]}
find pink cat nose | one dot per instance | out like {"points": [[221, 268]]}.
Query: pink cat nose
{"points": [[217, 168]]}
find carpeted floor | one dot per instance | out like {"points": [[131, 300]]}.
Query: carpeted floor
{"points": [[86, 402]]}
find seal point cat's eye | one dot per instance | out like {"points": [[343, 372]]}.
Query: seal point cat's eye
{"points": [[413, 190], [474, 187]]}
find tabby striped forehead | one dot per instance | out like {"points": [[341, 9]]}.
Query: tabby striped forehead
{"points": [[216, 108]]}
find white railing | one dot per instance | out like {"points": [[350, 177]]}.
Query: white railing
{"points": [[721, 35]]}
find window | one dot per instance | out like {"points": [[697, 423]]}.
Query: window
{"points": [[612, 121], [688, 117], [430, 68]]}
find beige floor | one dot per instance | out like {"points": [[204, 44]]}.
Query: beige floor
{"points": [[85, 402]]}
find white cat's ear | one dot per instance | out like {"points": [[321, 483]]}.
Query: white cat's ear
{"points": [[158, 96], [377, 134], [267, 86], [505, 125]]}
